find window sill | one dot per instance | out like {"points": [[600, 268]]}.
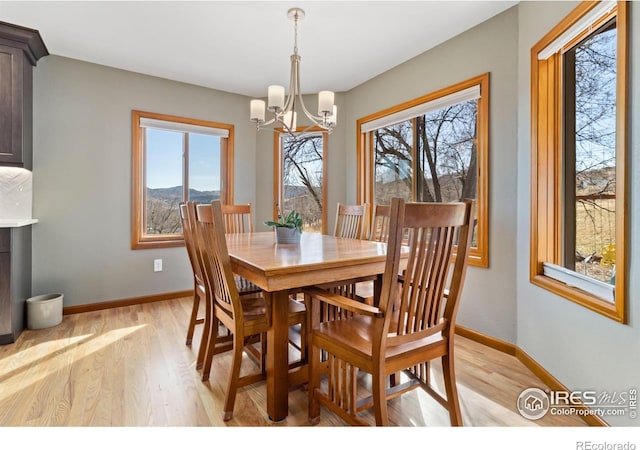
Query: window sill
{"points": [[147, 243], [596, 304], [576, 280]]}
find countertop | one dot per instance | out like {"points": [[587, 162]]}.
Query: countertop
{"points": [[15, 223]]}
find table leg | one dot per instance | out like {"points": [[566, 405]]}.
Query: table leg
{"points": [[278, 356]]}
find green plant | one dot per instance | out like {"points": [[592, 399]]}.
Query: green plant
{"points": [[292, 220]]}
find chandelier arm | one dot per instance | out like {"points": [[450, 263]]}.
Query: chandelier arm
{"points": [[268, 122], [286, 127], [317, 120]]}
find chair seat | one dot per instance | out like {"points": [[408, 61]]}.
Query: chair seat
{"points": [[255, 310], [357, 334]]}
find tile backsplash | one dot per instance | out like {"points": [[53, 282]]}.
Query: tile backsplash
{"points": [[16, 193]]}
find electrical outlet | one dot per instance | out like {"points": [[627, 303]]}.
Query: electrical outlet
{"points": [[157, 265]]}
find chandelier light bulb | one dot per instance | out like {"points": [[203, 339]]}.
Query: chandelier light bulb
{"points": [[276, 98], [257, 110], [325, 102]]}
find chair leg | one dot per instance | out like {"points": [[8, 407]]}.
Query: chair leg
{"points": [[232, 384], [194, 315], [314, 384], [206, 332], [451, 390], [379, 385], [210, 346], [303, 341]]}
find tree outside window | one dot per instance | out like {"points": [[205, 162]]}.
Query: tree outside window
{"points": [[590, 154], [435, 153], [300, 174]]}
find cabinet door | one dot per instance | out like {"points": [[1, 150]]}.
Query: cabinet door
{"points": [[6, 315], [11, 80]]}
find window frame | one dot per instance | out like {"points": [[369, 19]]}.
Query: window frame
{"points": [[139, 238], [547, 164], [278, 169], [365, 158]]}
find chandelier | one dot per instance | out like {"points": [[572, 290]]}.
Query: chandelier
{"points": [[284, 111]]}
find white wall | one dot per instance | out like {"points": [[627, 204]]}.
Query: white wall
{"points": [[82, 177], [582, 349], [488, 304]]}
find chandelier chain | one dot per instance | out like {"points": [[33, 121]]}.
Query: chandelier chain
{"points": [[295, 33]]}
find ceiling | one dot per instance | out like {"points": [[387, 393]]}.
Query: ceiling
{"points": [[244, 46]]}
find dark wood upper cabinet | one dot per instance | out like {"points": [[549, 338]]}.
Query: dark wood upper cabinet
{"points": [[20, 49]]}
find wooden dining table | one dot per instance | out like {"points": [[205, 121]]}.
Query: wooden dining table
{"points": [[282, 269]]}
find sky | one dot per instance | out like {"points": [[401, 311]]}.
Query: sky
{"points": [[164, 160]]}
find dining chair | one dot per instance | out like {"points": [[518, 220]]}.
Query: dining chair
{"points": [[413, 324], [237, 218], [350, 224], [380, 223], [201, 293], [245, 317], [199, 287], [350, 221], [378, 232]]}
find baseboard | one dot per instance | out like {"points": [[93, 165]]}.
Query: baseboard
{"points": [[125, 302], [495, 343], [531, 364]]}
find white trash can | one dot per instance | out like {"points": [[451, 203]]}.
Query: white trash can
{"points": [[44, 311]]}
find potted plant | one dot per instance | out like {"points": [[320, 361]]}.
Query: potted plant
{"points": [[288, 228]]}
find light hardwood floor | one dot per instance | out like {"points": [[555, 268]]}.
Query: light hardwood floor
{"points": [[130, 366]]}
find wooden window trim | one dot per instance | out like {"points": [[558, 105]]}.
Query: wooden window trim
{"points": [[140, 240], [478, 256], [546, 166], [278, 174]]}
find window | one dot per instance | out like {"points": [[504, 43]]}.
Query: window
{"points": [[300, 177], [431, 149], [175, 159], [579, 149]]}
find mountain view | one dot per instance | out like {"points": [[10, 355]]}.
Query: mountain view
{"points": [[162, 212], [171, 193]]}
